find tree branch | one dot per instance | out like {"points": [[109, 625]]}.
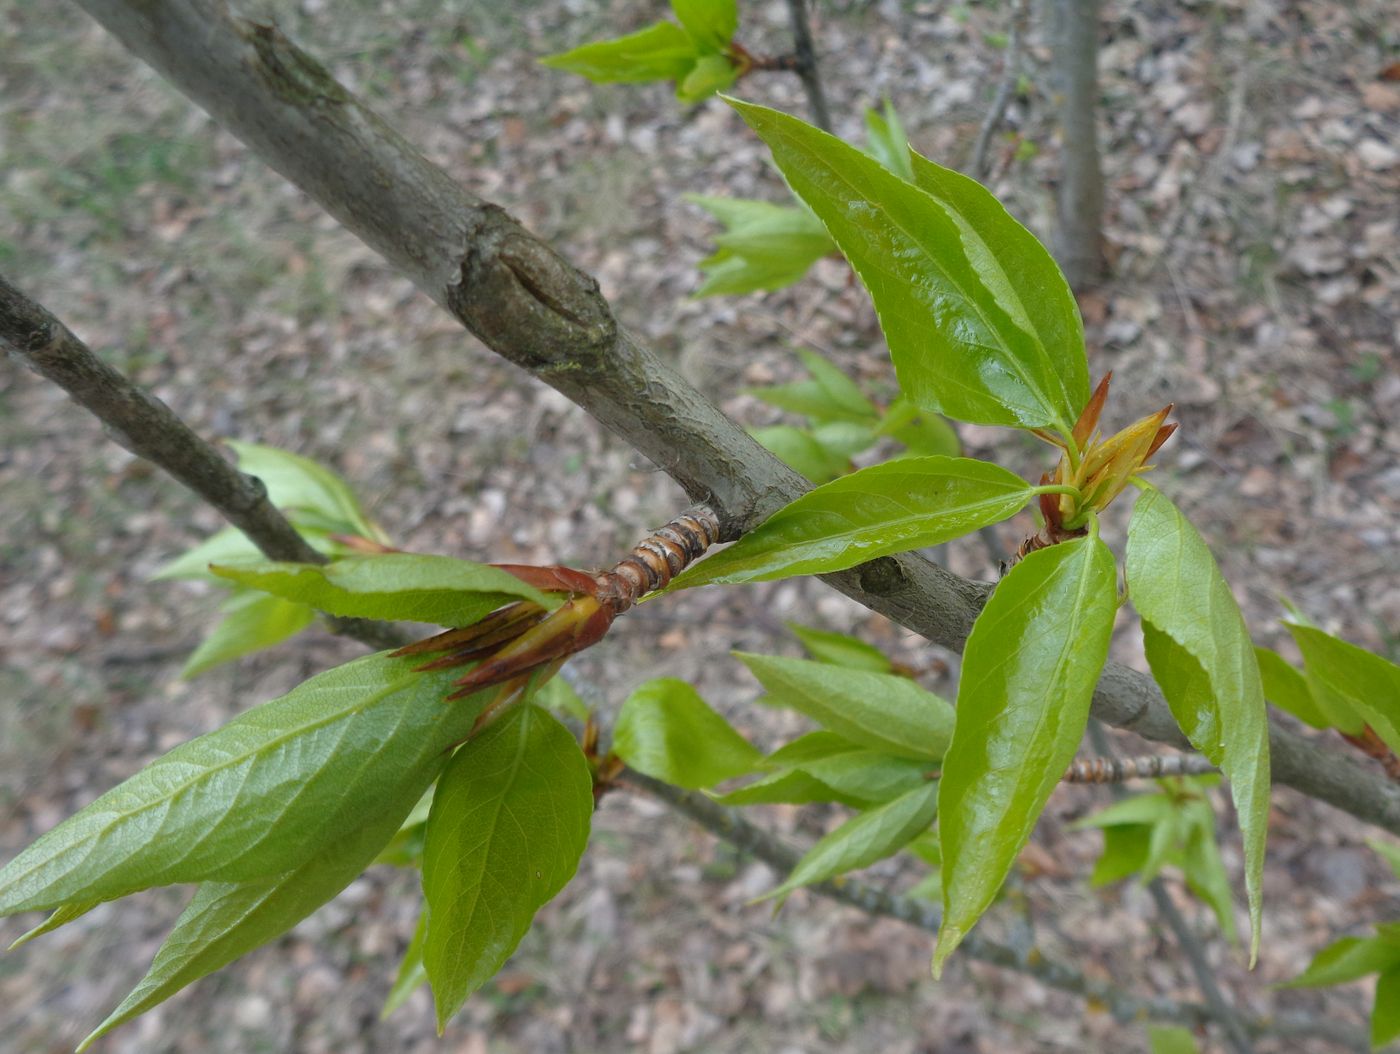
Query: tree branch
{"points": [[531, 306], [806, 65], [144, 425], [728, 825]]}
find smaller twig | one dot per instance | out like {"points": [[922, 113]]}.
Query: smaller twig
{"points": [[1010, 75], [807, 64], [144, 425], [1120, 770], [1374, 747]]}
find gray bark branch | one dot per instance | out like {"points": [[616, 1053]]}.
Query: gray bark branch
{"points": [[1078, 241], [807, 64], [142, 424], [531, 306], [728, 825]]}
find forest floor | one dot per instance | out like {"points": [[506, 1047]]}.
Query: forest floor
{"points": [[1252, 151]]}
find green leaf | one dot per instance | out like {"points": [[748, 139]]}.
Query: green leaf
{"points": [[1146, 809], [1385, 1015], [865, 838], [1205, 871], [558, 695], [921, 434], [868, 775], [1348, 959], [801, 451], [59, 917], [877, 511], [828, 394], [405, 847], [710, 74], [789, 787], [1028, 676], [660, 52], [888, 142], [710, 23], [765, 246], [437, 589], [508, 825], [1364, 682], [1125, 848], [229, 919], [875, 710], [251, 622], [1288, 689], [412, 973], [840, 650], [979, 321], [1171, 1039], [668, 732], [298, 484], [255, 798], [1201, 655]]}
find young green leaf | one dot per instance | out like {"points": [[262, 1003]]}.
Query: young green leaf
{"points": [[1203, 868], [868, 775], [660, 52], [437, 589], [667, 731], [964, 304], [1348, 959], [1362, 681], [229, 919], [1171, 1039], [710, 23], [1201, 655], [317, 760], [411, 974], [865, 838], [764, 246], [1385, 1014], [788, 787], [840, 650], [710, 74], [801, 451], [1125, 849], [878, 711], [252, 621], [880, 510], [508, 825], [922, 434], [888, 143], [59, 917], [298, 484], [827, 395], [1288, 690], [558, 695], [1029, 671]]}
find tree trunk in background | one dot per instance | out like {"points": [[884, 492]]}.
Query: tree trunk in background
{"points": [[1078, 241]]}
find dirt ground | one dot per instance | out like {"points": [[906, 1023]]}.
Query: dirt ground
{"points": [[1252, 151]]}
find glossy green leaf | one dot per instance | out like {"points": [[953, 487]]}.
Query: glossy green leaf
{"points": [[1171, 1039], [1028, 676], [411, 973], [437, 589], [228, 919], [710, 23], [298, 484], [710, 74], [980, 328], [508, 824], [1364, 682], [887, 141], [788, 787], [1385, 1014], [258, 797], [1348, 959], [802, 452], [865, 838], [838, 649], [1288, 689], [878, 711], [764, 246], [252, 621], [1201, 655], [662, 51], [668, 732], [877, 511]]}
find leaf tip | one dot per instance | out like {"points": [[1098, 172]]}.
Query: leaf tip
{"points": [[949, 937]]}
